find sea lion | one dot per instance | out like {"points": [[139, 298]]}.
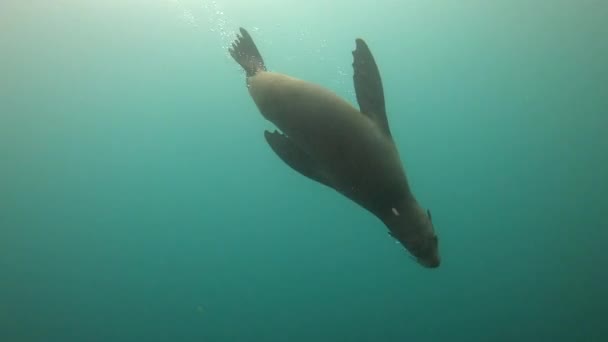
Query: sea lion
{"points": [[326, 139]]}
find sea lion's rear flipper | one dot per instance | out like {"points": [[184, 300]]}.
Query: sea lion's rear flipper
{"points": [[245, 53], [368, 86], [293, 156]]}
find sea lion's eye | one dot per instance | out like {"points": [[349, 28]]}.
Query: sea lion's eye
{"points": [[428, 213]]}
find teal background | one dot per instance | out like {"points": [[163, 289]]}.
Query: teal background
{"points": [[140, 202]]}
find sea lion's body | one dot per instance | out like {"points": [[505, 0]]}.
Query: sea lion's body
{"points": [[326, 139], [349, 148]]}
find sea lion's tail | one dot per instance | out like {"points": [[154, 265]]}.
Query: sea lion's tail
{"points": [[245, 53]]}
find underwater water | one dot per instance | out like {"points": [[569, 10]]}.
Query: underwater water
{"points": [[139, 200]]}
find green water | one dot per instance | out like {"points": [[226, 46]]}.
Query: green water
{"points": [[140, 202]]}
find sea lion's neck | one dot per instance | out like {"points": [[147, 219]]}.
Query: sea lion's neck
{"points": [[404, 217]]}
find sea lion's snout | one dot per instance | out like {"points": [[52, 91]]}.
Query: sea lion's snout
{"points": [[431, 264], [426, 251], [430, 259], [423, 248], [417, 234]]}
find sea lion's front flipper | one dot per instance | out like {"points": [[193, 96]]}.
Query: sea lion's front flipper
{"points": [[293, 156], [368, 86]]}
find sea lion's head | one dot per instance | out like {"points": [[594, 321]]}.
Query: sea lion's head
{"points": [[414, 230]]}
